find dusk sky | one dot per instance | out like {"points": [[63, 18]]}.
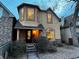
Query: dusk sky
{"points": [[63, 8]]}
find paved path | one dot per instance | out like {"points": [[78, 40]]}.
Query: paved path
{"points": [[32, 56], [63, 53]]}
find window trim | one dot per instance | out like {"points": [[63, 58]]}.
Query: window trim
{"points": [[38, 14], [27, 14], [50, 30], [47, 18], [21, 12]]}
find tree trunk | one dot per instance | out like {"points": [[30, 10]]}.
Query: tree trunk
{"points": [[73, 27]]}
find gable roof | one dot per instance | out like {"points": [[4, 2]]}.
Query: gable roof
{"points": [[41, 9], [11, 15]]}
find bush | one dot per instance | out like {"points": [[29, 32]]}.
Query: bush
{"points": [[17, 48], [51, 47], [60, 45], [42, 44]]}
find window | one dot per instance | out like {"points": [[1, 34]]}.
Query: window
{"points": [[29, 35], [1, 12], [22, 12], [35, 33], [49, 16], [77, 22], [31, 14], [50, 35]]}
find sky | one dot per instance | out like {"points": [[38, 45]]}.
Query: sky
{"points": [[62, 8]]}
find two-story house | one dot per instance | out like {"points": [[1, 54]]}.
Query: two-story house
{"points": [[35, 21]]}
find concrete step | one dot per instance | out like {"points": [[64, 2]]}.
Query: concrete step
{"points": [[30, 44], [30, 48]]}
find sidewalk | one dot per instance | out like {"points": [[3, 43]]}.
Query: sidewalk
{"points": [[62, 53]]}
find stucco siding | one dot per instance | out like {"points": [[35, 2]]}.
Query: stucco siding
{"points": [[66, 34], [77, 30], [55, 25]]}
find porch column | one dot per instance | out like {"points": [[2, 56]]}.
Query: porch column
{"points": [[18, 32]]}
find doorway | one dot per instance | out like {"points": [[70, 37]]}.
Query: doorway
{"points": [[70, 41], [28, 36], [32, 35]]}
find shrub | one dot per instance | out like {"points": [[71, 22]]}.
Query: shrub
{"points": [[42, 44], [17, 48], [60, 45], [51, 47]]}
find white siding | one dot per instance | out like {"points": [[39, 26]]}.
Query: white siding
{"points": [[66, 34]]}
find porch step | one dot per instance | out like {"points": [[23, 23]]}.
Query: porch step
{"points": [[30, 48]]}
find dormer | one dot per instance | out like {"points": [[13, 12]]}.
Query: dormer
{"points": [[28, 12]]}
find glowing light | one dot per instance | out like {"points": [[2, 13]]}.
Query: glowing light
{"points": [[35, 33]]}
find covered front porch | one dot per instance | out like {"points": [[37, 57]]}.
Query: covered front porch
{"points": [[28, 35], [27, 32]]}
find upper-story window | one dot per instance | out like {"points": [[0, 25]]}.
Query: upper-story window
{"points": [[31, 14], [1, 12], [22, 14], [49, 16]]}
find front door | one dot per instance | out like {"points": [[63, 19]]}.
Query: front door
{"points": [[28, 36], [70, 41]]}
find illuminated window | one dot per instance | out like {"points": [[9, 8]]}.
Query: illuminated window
{"points": [[29, 35], [50, 35], [35, 33], [30, 14], [49, 20], [1, 12]]}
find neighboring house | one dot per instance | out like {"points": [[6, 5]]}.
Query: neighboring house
{"points": [[35, 21], [7, 21], [66, 31], [6, 24]]}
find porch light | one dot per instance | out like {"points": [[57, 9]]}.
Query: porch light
{"points": [[35, 33]]}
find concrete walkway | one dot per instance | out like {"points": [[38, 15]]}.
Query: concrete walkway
{"points": [[32, 56], [66, 52]]}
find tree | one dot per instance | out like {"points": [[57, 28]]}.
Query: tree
{"points": [[73, 22]]}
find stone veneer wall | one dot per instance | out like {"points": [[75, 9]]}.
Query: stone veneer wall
{"points": [[6, 26]]}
